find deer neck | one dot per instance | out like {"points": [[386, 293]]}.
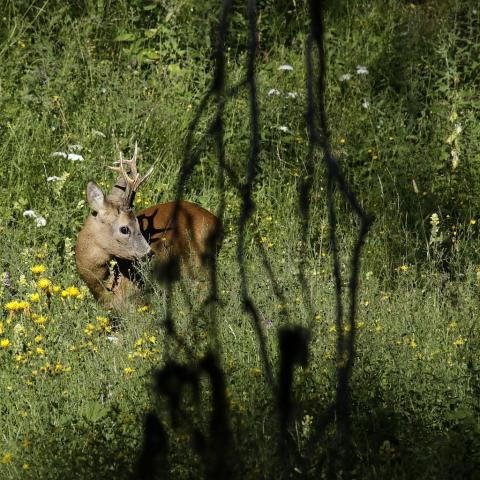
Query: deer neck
{"points": [[108, 284]]}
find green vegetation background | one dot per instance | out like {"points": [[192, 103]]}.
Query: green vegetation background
{"points": [[73, 393]]}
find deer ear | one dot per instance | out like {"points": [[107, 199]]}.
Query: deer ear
{"points": [[95, 197]]}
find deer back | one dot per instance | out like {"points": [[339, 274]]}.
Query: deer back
{"points": [[181, 229]]}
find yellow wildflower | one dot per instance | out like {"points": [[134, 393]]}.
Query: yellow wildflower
{"points": [[56, 288], [40, 321], [7, 458], [89, 329], [34, 297], [37, 269], [413, 343], [128, 370], [16, 305], [152, 339], [20, 358], [4, 343], [143, 309], [44, 283], [1, 328], [72, 291], [404, 268], [459, 342], [25, 466], [473, 221], [40, 351], [103, 324], [38, 338]]}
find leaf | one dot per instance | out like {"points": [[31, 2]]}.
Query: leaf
{"points": [[126, 37], [151, 54], [94, 411], [150, 32], [174, 68]]}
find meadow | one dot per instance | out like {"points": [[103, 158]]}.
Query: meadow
{"points": [[78, 383]]}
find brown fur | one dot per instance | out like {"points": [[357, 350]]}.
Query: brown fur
{"points": [[180, 234]]}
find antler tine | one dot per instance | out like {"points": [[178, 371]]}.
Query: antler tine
{"points": [[133, 181], [147, 174], [133, 164]]}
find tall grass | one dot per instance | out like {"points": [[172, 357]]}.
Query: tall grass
{"points": [[76, 383]]}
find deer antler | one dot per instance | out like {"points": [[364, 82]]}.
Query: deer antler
{"points": [[134, 181]]}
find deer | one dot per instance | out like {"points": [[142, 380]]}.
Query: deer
{"points": [[181, 238]]}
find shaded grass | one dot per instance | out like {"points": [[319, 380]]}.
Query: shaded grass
{"points": [[415, 385]]}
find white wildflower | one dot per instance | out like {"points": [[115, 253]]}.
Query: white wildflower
{"points": [[40, 221], [60, 154], [29, 214], [292, 94], [76, 147], [435, 223], [75, 157], [365, 104], [53, 178], [345, 77], [361, 70], [99, 134], [273, 91], [283, 128], [455, 159], [18, 329], [285, 67]]}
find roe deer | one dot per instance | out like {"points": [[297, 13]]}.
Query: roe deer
{"points": [[178, 234]]}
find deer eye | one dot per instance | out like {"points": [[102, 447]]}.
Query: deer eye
{"points": [[124, 230]]}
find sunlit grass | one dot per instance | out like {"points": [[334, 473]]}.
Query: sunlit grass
{"points": [[76, 380]]}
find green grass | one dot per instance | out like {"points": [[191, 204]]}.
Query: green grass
{"points": [[73, 402]]}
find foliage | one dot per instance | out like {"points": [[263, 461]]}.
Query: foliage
{"points": [[402, 80]]}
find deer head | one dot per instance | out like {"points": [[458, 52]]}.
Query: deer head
{"points": [[115, 227]]}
